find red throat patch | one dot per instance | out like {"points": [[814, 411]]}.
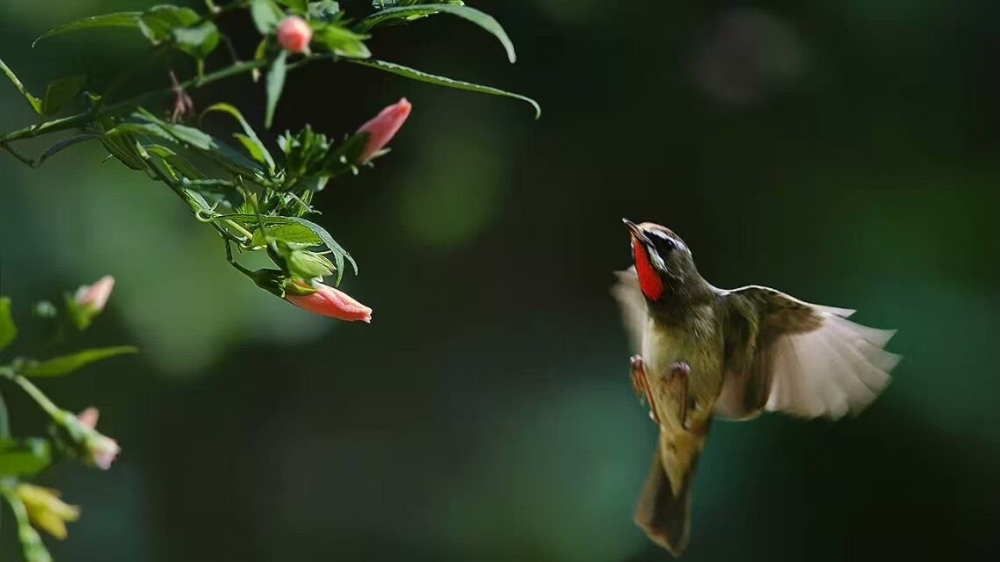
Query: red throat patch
{"points": [[649, 279]]}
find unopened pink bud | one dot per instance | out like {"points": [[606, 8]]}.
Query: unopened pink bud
{"points": [[101, 449], [383, 127], [327, 301], [89, 417], [95, 297], [294, 34]]}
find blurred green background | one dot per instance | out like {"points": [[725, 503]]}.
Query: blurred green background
{"points": [[844, 151]]}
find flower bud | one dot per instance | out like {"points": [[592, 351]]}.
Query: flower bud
{"points": [[45, 510], [294, 34], [383, 127], [327, 301], [77, 435], [95, 297], [100, 450], [89, 301]]}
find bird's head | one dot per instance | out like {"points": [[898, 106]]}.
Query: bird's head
{"points": [[663, 261]]}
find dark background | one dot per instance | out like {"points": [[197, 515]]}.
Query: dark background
{"points": [[844, 151]]}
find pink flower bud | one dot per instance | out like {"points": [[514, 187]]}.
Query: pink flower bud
{"points": [[101, 450], [294, 34], [95, 296], [383, 127], [327, 301]]}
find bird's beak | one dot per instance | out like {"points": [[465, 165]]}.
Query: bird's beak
{"points": [[636, 231]]}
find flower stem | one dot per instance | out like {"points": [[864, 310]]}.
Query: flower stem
{"points": [[31, 390]]}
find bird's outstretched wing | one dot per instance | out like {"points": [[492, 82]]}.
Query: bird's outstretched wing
{"points": [[786, 355], [633, 305]]}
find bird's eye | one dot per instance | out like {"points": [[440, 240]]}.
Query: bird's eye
{"points": [[663, 242]]}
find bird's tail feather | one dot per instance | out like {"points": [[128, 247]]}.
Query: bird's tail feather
{"points": [[664, 509]]}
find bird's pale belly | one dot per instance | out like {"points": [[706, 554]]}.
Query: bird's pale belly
{"points": [[662, 350]]}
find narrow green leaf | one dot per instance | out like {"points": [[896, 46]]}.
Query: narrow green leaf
{"points": [[266, 15], [420, 76], [483, 20], [148, 124], [8, 330], [249, 138], [121, 145], [344, 42], [176, 164], [275, 83], [121, 19], [35, 103], [339, 253], [24, 457], [290, 233], [67, 364], [64, 144], [60, 92]]}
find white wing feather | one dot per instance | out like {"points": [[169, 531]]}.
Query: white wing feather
{"points": [[633, 306], [837, 369]]}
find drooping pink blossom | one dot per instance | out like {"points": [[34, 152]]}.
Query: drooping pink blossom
{"points": [[327, 301], [95, 297], [294, 34], [383, 127]]}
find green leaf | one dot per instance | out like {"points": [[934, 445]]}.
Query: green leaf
{"points": [[198, 40], [266, 15], [289, 233], [35, 103], [159, 22], [121, 145], [8, 330], [249, 138], [483, 20], [339, 253], [60, 92], [226, 156], [275, 83], [121, 19], [420, 76], [344, 42], [67, 364], [24, 457], [300, 6], [64, 144]]}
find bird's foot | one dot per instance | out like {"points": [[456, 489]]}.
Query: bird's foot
{"points": [[640, 384], [679, 376]]}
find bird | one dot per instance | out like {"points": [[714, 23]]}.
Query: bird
{"points": [[702, 352]]}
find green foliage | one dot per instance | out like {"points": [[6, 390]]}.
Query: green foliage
{"points": [[266, 15], [119, 20], [70, 437], [410, 13], [255, 199], [421, 76], [275, 84], [60, 92], [24, 457], [67, 364], [8, 330]]}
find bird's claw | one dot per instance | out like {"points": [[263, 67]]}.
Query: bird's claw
{"points": [[640, 384]]}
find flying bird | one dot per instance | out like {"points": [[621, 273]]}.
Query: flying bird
{"points": [[703, 351]]}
